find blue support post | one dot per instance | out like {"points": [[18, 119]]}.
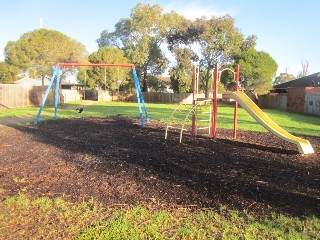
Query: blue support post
{"points": [[144, 106], [140, 98], [55, 72], [56, 99]]}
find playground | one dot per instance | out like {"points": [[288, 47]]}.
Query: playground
{"points": [[119, 163], [123, 161]]}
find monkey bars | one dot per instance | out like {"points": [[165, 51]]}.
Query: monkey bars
{"points": [[56, 78]]}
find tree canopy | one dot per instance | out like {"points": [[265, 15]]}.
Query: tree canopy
{"points": [[105, 77], [36, 52], [217, 40], [181, 73], [282, 78], [8, 73], [141, 37], [203, 41], [257, 69]]}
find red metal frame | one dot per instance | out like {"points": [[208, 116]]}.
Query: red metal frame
{"points": [[94, 65], [215, 101], [235, 117]]}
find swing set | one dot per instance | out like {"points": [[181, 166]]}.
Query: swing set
{"points": [[56, 78]]}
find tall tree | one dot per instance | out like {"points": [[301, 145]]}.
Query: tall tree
{"points": [[282, 78], [181, 73], [141, 36], [36, 52], [304, 69], [8, 73], [217, 39], [257, 70], [105, 77]]}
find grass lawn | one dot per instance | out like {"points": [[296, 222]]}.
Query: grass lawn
{"points": [[295, 123], [45, 218]]}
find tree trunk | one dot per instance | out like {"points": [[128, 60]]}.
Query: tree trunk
{"points": [[206, 92], [61, 97], [144, 82]]}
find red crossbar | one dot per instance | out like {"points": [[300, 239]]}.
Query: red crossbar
{"points": [[94, 65]]}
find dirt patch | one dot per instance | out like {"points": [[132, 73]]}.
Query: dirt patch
{"points": [[115, 161]]}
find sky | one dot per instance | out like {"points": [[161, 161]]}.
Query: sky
{"points": [[287, 30]]}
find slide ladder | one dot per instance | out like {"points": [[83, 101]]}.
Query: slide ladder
{"points": [[203, 114], [179, 119], [303, 145]]}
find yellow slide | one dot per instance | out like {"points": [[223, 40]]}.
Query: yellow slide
{"points": [[303, 145]]}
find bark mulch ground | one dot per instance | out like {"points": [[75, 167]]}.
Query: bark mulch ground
{"points": [[115, 161]]}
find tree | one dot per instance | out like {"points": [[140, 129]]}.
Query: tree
{"points": [[181, 74], [37, 52], [157, 84], [108, 39], [8, 73], [140, 37], [257, 70], [105, 77], [217, 38], [304, 69], [282, 78]]}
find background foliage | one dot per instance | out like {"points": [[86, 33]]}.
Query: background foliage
{"points": [[37, 52], [147, 38]]}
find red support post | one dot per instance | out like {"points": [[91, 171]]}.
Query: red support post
{"points": [[194, 92], [235, 117], [215, 100], [94, 65]]}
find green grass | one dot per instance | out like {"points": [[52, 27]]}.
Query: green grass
{"points": [[45, 218], [141, 223], [295, 123]]}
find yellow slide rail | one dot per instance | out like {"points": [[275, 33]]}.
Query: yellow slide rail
{"points": [[304, 146]]}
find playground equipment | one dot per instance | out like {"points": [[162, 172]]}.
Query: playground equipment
{"points": [[303, 145], [200, 111], [56, 77]]}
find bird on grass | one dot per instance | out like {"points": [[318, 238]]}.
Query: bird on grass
{"points": [[79, 110]]}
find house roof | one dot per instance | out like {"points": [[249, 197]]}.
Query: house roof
{"points": [[312, 80], [33, 81], [38, 82]]}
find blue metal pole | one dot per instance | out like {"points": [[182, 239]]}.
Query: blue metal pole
{"points": [[140, 97], [56, 99], [46, 95], [144, 106], [137, 86]]}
